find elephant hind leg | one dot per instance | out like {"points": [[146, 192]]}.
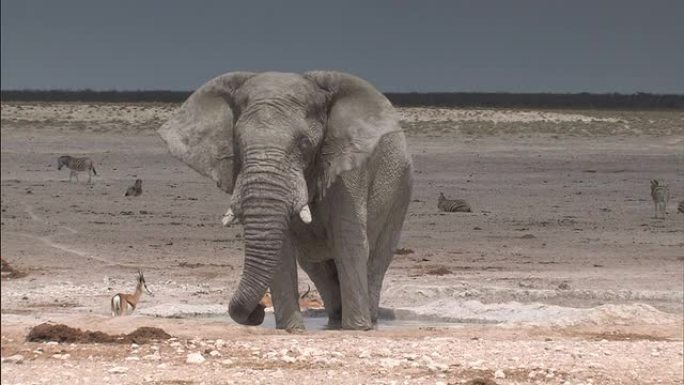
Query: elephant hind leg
{"points": [[324, 276], [382, 251]]}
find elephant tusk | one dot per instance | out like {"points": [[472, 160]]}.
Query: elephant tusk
{"points": [[228, 218], [305, 214]]}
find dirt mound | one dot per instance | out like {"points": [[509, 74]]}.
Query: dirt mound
{"points": [[145, 334], [8, 271], [64, 333]]}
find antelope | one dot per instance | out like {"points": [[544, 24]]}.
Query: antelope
{"points": [[76, 165], [308, 300], [121, 301], [134, 190], [660, 194], [452, 205]]}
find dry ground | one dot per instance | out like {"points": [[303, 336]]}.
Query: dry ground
{"points": [[559, 275]]}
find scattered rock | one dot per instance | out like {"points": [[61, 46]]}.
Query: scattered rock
{"points": [[403, 251], [227, 362], [499, 374], [439, 271], [195, 358], [118, 370], [15, 359], [390, 363]]}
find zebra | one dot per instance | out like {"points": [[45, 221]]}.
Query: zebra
{"points": [[76, 165], [452, 205], [660, 194], [134, 190]]}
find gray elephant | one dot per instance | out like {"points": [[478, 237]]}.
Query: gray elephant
{"points": [[319, 174]]}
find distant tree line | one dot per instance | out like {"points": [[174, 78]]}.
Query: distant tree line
{"points": [[403, 99]]}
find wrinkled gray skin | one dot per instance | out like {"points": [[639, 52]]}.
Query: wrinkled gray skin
{"points": [[280, 141]]}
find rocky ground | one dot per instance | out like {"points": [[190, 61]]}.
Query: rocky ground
{"points": [[559, 275]]}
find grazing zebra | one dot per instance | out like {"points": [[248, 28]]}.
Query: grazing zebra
{"points": [[452, 205], [660, 194], [76, 165], [134, 190]]}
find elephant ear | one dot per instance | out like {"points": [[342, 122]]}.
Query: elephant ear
{"points": [[200, 133], [358, 117]]}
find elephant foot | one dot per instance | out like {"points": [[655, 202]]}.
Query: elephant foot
{"points": [[255, 318], [293, 324], [357, 324]]}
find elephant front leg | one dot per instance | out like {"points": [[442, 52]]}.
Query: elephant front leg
{"points": [[284, 292], [351, 261], [324, 276]]}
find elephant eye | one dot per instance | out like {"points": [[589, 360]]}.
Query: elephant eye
{"points": [[304, 143]]}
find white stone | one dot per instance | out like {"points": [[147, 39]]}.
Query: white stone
{"points": [[152, 357], [364, 354], [194, 358], [499, 374], [118, 370], [227, 362], [476, 364], [15, 359], [436, 366], [219, 343], [132, 358], [390, 363], [214, 353], [288, 359]]}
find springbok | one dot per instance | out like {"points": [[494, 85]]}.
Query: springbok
{"points": [[121, 301], [308, 300]]}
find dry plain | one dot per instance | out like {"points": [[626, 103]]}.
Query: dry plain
{"points": [[560, 274]]}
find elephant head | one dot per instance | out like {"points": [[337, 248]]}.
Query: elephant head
{"points": [[276, 142]]}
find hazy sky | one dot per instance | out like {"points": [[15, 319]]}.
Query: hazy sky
{"points": [[529, 46]]}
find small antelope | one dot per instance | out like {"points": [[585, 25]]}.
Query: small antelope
{"points": [[452, 205], [76, 165], [660, 194], [121, 301], [135, 190], [308, 300]]}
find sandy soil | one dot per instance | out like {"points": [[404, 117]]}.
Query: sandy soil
{"points": [[559, 275]]}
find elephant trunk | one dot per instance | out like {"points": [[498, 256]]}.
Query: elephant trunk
{"points": [[265, 216]]}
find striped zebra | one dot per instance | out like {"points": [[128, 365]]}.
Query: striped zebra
{"points": [[660, 194], [452, 205], [76, 165], [134, 190]]}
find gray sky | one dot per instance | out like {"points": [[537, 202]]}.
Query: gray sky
{"points": [[515, 46]]}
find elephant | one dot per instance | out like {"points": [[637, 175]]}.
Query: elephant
{"points": [[319, 175]]}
